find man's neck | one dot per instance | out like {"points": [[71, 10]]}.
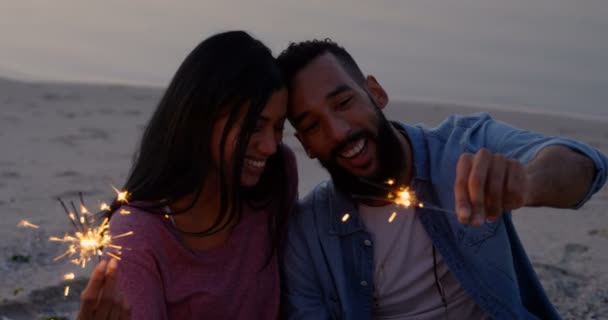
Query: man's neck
{"points": [[405, 176]]}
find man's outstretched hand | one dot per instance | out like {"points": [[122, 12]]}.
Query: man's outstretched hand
{"points": [[101, 299], [487, 185]]}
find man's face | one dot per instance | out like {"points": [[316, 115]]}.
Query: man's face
{"points": [[339, 121]]}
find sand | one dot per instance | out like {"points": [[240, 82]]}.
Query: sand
{"points": [[58, 139]]}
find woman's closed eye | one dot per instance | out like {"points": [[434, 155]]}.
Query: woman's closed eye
{"points": [[310, 126]]}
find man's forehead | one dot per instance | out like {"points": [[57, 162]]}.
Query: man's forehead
{"points": [[317, 79]]}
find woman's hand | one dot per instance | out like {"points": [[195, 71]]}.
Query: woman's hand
{"points": [[102, 299]]}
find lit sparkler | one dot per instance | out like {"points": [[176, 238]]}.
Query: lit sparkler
{"points": [[401, 196], [89, 240]]}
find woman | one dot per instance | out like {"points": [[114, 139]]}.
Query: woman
{"points": [[209, 194]]}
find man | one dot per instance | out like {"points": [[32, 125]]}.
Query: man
{"points": [[352, 254]]}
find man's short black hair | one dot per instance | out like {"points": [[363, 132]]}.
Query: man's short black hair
{"points": [[299, 54]]}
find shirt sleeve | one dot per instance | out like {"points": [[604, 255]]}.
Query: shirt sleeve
{"points": [[138, 275], [301, 294], [524, 145]]}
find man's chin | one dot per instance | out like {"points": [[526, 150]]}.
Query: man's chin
{"points": [[367, 172]]}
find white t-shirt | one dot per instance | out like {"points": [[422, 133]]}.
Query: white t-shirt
{"points": [[405, 286]]}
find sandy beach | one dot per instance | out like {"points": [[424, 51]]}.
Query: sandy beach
{"points": [[60, 139]]}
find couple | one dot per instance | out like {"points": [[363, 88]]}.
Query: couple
{"points": [[220, 234]]}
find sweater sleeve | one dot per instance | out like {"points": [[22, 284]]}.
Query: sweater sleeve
{"points": [[139, 277]]}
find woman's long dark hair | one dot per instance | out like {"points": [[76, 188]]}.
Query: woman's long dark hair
{"points": [[222, 76]]}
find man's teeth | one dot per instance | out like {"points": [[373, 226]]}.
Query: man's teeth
{"points": [[354, 150], [255, 163]]}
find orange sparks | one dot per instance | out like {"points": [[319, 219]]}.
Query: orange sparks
{"points": [[125, 212], [121, 196], [69, 276], [403, 198], [27, 224], [104, 207], [66, 291], [390, 182], [86, 244], [345, 217], [392, 217]]}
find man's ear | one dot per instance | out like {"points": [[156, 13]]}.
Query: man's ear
{"points": [[377, 92], [308, 152]]}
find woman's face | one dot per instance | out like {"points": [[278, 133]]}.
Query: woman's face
{"points": [[265, 138]]}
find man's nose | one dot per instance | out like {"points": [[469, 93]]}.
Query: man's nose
{"points": [[338, 130]]}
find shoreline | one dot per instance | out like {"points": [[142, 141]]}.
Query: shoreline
{"points": [[398, 100]]}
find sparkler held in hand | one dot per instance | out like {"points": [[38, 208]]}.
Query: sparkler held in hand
{"points": [[88, 240], [400, 196]]}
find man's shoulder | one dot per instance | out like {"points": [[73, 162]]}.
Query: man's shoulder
{"points": [[317, 194], [458, 123]]}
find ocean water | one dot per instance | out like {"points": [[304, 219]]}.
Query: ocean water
{"points": [[531, 54]]}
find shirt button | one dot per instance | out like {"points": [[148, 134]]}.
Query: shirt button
{"points": [[363, 283], [367, 243]]}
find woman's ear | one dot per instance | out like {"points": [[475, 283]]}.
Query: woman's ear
{"points": [[377, 92]]}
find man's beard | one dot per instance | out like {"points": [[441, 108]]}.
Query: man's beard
{"points": [[390, 161]]}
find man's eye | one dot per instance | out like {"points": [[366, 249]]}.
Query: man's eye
{"points": [[345, 101]]}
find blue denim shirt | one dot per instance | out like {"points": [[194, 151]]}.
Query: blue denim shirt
{"points": [[328, 264]]}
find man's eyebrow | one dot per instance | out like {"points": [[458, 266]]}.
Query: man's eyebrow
{"points": [[339, 89]]}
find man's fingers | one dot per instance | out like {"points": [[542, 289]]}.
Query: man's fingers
{"points": [[495, 184], [461, 186], [90, 295], [477, 185]]}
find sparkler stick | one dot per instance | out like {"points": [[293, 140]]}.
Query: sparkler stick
{"points": [[77, 216], [70, 215], [85, 212]]}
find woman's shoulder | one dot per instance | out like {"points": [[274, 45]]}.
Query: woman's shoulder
{"points": [[141, 227]]}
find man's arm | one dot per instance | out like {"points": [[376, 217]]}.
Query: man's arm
{"points": [[509, 168], [559, 177]]}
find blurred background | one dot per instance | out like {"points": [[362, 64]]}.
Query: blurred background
{"points": [[542, 54]]}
